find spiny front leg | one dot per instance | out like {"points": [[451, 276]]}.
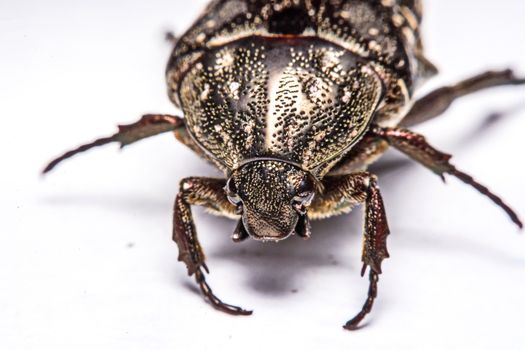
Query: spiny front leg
{"points": [[374, 246], [417, 148], [148, 125], [207, 192], [362, 188]]}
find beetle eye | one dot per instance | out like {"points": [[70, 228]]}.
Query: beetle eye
{"points": [[231, 192], [306, 185], [230, 186]]}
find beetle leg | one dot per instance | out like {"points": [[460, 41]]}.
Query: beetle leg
{"points": [[148, 125], [353, 324], [360, 188], [438, 101], [417, 148], [207, 192], [374, 245]]}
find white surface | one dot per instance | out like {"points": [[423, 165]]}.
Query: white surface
{"points": [[86, 258]]}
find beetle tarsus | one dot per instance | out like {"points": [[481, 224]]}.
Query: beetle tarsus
{"points": [[353, 324], [469, 180], [148, 125], [80, 149], [216, 302]]}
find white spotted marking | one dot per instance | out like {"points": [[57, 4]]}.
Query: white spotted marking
{"points": [[234, 90]]}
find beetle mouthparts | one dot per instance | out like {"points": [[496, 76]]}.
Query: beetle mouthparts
{"points": [[268, 229]]}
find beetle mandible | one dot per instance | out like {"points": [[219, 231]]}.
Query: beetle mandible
{"points": [[292, 100]]}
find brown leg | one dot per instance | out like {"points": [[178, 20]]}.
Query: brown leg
{"points": [[438, 101], [361, 188], [148, 125], [353, 324], [416, 147], [207, 192]]}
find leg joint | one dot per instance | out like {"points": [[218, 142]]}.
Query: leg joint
{"points": [[186, 185]]}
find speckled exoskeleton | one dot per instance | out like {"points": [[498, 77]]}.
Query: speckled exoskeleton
{"points": [[292, 100]]}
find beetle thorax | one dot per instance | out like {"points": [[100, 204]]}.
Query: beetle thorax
{"points": [[292, 99]]}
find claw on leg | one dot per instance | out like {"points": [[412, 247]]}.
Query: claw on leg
{"points": [[353, 324], [361, 188], [210, 193], [216, 302]]}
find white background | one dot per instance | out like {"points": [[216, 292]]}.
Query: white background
{"points": [[86, 258]]}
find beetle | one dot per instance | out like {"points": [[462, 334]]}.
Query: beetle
{"points": [[292, 100]]}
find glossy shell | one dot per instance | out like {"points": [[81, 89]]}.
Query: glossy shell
{"points": [[295, 80]]}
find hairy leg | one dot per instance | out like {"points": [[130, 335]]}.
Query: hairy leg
{"points": [[209, 193], [438, 101], [417, 148], [148, 125], [360, 188]]}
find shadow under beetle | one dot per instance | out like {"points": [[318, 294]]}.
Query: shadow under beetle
{"points": [[292, 100]]}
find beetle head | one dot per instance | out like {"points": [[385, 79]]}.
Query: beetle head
{"points": [[273, 197]]}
